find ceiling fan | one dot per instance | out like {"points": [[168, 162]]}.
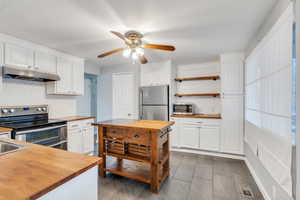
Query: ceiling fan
{"points": [[135, 46]]}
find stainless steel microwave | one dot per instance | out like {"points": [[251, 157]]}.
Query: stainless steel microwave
{"points": [[183, 108]]}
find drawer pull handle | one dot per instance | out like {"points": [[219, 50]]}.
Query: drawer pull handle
{"points": [[136, 136]]}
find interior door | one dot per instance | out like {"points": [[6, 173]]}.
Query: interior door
{"points": [[124, 96]]}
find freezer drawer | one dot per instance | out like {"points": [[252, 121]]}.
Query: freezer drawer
{"points": [[154, 95], [155, 113]]}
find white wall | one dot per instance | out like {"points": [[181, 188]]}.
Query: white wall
{"points": [[268, 106], [156, 73], [207, 105]]}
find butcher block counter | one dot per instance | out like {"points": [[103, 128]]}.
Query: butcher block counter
{"points": [[5, 130], [137, 149], [35, 170]]}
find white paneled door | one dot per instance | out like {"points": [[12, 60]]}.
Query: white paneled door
{"points": [[123, 96]]}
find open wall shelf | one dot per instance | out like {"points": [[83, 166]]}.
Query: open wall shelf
{"points": [[199, 95], [198, 78]]}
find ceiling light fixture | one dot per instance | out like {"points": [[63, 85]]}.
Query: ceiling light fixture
{"points": [[127, 52], [140, 51]]}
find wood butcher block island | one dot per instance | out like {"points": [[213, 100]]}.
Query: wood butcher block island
{"points": [[39, 172], [139, 149]]}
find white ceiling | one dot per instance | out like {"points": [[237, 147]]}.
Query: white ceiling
{"points": [[200, 29]]}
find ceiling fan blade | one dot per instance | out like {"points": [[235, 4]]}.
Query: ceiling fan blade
{"points": [[160, 47], [143, 59], [111, 52], [121, 36]]}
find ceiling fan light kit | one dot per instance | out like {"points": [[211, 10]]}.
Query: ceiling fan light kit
{"points": [[135, 46]]}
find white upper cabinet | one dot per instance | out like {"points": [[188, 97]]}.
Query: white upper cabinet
{"points": [[232, 73], [71, 73], [18, 56], [45, 62], [64, 70], [78, 78]]}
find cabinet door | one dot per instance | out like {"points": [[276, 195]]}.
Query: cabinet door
{"points": [[232, 124], [209, 138], [18, 56], [64, 70], [174, 135], [78, 78], [88, 140], [45, 62], [189, 136], [75, 140]]}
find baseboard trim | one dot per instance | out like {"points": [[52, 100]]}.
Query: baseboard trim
{"points": [[209, 153], [258, 181]]}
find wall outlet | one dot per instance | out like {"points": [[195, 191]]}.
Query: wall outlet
{"points": [[273, 192]]}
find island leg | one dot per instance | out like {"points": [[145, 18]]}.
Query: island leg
{"points": [[154, 163], [102, 167]]}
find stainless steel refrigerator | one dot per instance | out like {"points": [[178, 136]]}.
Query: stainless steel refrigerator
{"points": [[154, 103]]}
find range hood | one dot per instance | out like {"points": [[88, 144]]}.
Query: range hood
{"points": [[16, 72]]}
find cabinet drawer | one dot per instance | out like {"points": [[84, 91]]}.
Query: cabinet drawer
{"points": [[138, 137], [87, 122], [74, 125], [115, 133]]}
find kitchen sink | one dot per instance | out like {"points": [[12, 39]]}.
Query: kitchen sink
{"points": [[6, 147]]}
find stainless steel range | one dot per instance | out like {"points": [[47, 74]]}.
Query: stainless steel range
{"points": [[32, 124]]}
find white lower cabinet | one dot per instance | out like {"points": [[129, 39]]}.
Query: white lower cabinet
{"points": [[75, 140], [189, 136], [210, 138], [88, 139], [81, 136], [174, 136], [202, 134]]}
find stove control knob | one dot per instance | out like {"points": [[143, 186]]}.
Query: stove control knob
{"points": [[4, 111], [39, 109], [11, 110], [44, 109]]}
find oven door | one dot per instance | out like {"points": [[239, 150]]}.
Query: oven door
{"points": [[52, 136]]}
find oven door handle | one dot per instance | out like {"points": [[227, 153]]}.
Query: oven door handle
{"points": [[40, 129], [61, 142]]}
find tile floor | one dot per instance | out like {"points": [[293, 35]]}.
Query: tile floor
{"points": [[193, 177]]}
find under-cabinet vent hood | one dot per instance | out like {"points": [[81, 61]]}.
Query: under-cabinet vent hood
{"points": [[14, 72]]}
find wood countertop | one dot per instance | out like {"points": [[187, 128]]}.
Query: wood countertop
{"points": [[5, 130], [128, 123], [204, 116], [36, 170], [76, 118]]}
